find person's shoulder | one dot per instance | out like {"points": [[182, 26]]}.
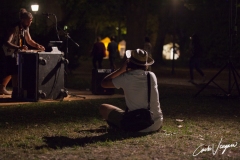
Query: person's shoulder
{"points": [[152, 74], [124, 75], [148, 44], [27, 29], [100, 43]]}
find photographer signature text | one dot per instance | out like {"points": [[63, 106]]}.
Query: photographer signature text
{"points": [[211, 148]]}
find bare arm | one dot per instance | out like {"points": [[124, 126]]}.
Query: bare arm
{"points": [[8, 41], [107, 81], [31, 42]]}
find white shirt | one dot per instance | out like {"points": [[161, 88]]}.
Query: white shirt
{"points": [[134, 84]]}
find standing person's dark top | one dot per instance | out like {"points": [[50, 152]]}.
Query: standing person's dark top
{"points": [[98, 52], [113, 50]]}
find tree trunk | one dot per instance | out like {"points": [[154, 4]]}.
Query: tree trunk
{"points": [[164, 23], [136, 23]]}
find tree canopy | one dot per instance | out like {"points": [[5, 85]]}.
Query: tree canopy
{"points": [[132, 20]]}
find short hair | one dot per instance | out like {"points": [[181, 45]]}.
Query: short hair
{"points": [[24, 14], [112, 38], [98, 39]]}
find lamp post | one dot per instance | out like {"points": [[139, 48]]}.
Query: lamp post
{"points": [[35, 8], [174, 34]]}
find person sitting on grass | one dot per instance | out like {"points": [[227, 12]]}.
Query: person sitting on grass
{"points": [[132, 78]]}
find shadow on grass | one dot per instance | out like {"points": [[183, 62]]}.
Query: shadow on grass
{"points": [[59, 142]]}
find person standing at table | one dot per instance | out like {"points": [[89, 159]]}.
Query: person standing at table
{"points": [[113, 51], [14, 41], [98, 53]]}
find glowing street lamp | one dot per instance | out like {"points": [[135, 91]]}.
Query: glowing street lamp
{"points": [[35, 7]]}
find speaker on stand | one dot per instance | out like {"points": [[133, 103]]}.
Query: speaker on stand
{"points": [[41, 76], [97, 77]]}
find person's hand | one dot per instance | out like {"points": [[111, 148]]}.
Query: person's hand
{"points": [[40, 47], [24, 47]]}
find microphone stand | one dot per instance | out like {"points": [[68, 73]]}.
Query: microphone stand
{"points": [[56, 26], [67, 39], [66, 54]]}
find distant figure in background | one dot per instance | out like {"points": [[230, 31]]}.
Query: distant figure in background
{"points": [[98, 52], [196, 52], [113, 51], [148, 48], [14, 41]]}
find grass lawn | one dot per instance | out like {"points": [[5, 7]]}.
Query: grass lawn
{"points": [[74, 130], [205, 127]]}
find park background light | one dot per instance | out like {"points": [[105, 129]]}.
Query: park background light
{"points": [[168, 51], [34, 7]]}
